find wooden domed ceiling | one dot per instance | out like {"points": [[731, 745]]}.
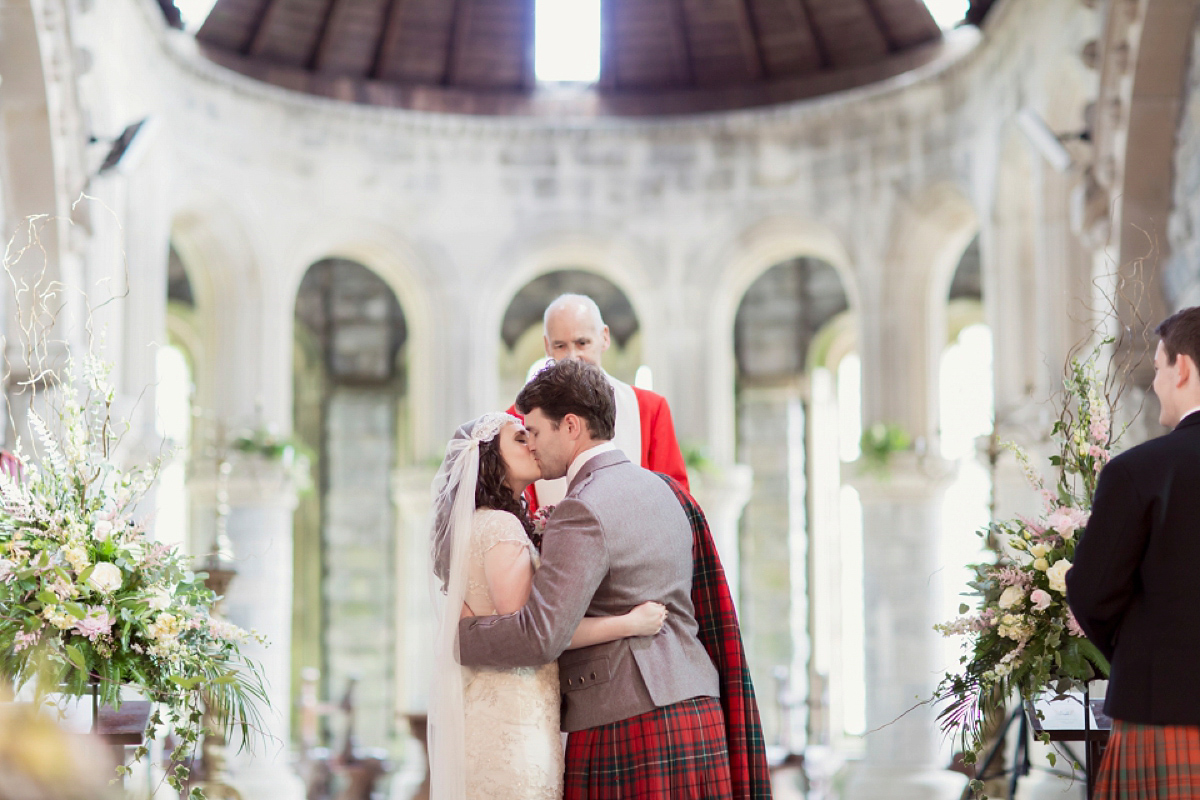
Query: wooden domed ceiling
{"points": [[658, 56]]}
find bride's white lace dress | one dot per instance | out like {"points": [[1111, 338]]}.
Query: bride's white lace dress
{"points": [[513, 747]]}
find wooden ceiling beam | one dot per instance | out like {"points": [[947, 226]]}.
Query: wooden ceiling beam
{"points": [[529, 45], [884, 31], [608, 50], [259, 39], [681, 45], [320, 53], [755, 56], [460, 26], [822, 46], [386, 46]]}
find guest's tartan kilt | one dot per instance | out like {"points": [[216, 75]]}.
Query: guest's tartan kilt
{"points": [[677, 752], [1150, 762]]}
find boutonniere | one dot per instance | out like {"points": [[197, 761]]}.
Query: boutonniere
{"points": [[540, 518]]}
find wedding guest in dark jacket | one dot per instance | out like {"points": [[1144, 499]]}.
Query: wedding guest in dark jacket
{"points": [[1135, 586]]}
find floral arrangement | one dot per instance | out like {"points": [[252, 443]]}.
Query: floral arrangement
{"points": [[266, 443], [540, 518], [89, 603], [1022, 637], [880, 441]]}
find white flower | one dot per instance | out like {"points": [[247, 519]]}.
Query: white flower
{"points": [[57, 618], [1012, 597], [1041, 565], [106, 578], [6, 569], [76, 557], [164, 628], [1057, 575], [1014, 627], [102, 529], [1039, 550], [159, 599]]}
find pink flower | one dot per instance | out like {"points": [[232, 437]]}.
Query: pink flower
{"points": [[1067, 520], [1011, 576], [1073, 625], [96, 623], [24, 640], [1050, 499], [1099, 430], [1036, 528], [1040, 599], [1098, 453]]}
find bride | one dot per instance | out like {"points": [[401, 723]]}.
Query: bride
{"points": [[494, 733]]}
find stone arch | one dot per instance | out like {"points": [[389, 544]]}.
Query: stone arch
{"points": [[610, 257], [525, 313], [745, 258], [223, 271], [388, 254], [928, 236], [350, 408]]}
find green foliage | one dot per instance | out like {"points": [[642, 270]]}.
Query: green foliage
{"points": [[880, 441]]}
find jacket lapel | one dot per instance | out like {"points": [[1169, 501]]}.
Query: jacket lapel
{"points": [[594, 463]]}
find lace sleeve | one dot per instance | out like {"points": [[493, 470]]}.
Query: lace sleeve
{"points": [[501, 526]]}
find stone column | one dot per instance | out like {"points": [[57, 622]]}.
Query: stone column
{"points": [[901, 510], [261, 499]]}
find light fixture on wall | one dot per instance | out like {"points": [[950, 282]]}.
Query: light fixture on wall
{"points": [[127, 150], [1046, 141]]}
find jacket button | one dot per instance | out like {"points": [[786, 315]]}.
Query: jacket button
{"points": [[570, 682], [593, 676]]}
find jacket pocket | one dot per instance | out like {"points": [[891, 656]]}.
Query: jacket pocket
{"points": [[583, 675]]}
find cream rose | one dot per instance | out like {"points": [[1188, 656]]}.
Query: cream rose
{"points": [[106, 578], [1039, 550], [1057, 575], [159, 599], [102, 529], [1012, 597], [1041, 565]]}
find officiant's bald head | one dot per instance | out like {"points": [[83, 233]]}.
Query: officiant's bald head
{"points": [[572, 328]]}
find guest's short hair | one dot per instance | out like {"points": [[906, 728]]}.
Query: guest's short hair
{"points": [[1180, 334], [572, 387]]}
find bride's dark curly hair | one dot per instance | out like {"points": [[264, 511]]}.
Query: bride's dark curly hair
{"points": [[491, 490]]}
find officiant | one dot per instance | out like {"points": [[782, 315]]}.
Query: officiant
{"points": [[1134, 589], [574, 328]]}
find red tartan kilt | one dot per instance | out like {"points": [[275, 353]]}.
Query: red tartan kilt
{"points": [[1150, 762], [677, 751]]}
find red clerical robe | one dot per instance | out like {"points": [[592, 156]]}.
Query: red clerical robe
{"points": [[660, 448]]}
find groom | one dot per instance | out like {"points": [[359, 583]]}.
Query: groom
{"points": [[644, 714], [1134, 590]]}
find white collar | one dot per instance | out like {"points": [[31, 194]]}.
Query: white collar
{"points": [[1187, 414], [586, 456]]}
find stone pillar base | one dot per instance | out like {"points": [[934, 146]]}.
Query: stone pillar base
{"points": [[881, 782]]}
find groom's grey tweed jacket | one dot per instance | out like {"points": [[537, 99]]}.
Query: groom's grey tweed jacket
{"points": [[619, 537]]}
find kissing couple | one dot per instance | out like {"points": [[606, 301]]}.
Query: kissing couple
{"points": [[621, 631]]}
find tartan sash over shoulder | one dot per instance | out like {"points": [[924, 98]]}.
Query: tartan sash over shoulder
{"points": [[722, 638]]}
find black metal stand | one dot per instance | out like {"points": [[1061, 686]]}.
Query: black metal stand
{"points": [[1021, 764]]}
